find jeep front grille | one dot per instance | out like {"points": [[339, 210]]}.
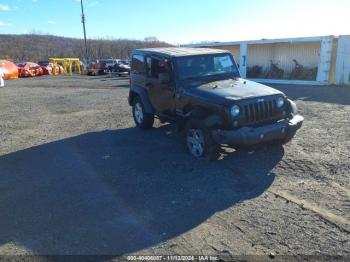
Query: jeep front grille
{"points": [[261, 111]]}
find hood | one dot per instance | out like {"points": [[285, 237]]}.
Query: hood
{"points": [[229, 90]]}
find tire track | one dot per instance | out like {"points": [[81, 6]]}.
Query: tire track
{"points": [[332, 218]]}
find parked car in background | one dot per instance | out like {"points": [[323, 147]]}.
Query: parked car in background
{"points": [[121, 68], [202, 91], [51, 68], [101, 67], [104, 66], [109, 63], [125, 62], [29, 69], [95, 68], [9, 69], [47, 67]]}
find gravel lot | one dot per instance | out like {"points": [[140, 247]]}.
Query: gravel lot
{"points": [[76, 177]]}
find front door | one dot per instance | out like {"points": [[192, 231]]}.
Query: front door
{"points": [[162, 96]]}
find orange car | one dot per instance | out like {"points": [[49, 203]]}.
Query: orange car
{"points": [[10, 69], [29, 69], [47, 67]]}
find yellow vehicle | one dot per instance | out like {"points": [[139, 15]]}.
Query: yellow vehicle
{"points": [[67, 64]]}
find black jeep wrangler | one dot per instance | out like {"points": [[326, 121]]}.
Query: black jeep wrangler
{"points": [[202, 92]]}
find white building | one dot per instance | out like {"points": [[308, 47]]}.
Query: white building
{"points": [[326, 58]]}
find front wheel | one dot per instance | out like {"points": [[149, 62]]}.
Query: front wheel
{"points": [[199, 141], [142, 119]]}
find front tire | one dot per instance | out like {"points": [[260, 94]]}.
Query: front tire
{"points": [[199, 141], [142, 119]]}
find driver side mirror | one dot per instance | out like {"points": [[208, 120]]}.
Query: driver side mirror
{"points": [[164, 78]]}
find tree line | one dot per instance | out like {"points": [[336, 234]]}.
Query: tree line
{"points": [[35, 47]]}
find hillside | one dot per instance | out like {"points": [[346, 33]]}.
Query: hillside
{"points": [[34, 47]]}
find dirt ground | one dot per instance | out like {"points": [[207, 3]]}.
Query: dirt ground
{"points": [[76, 177]]}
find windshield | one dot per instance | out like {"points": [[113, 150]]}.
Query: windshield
{"points": [[206, 65]]}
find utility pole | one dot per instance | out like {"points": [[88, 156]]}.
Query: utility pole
{"points": [[83, 21]]}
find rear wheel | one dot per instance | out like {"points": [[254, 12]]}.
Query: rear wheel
{"points": [[142, 119], [199, 141]]}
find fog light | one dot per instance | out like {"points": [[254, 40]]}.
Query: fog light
{"points": [[235, 123], [261, 136], [283, 130]]}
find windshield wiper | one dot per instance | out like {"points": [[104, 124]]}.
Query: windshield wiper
{"points": [[199, 78]]}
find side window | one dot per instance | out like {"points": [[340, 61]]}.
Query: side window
{"points": [[156, 66], [137, 65]]}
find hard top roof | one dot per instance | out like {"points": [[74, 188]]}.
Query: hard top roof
{"points": [[181, 51]]}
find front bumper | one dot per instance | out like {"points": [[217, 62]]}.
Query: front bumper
{"points": [[282, 130]]}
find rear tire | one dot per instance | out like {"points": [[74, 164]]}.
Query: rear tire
{"points": [[199, 141], [142, 119]]}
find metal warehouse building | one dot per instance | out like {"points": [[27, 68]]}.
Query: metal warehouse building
{"points": [[320, 60]]}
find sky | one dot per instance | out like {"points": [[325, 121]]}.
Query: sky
{"points": [[178, 21]]}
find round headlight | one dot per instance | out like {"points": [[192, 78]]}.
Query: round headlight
{"points": [[280, 102], [235, 111]]}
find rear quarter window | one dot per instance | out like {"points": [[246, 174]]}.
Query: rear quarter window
{"points": [[137, 64]]}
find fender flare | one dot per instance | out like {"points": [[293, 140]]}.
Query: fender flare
{"points": [[208, 119], [142, 93], [213, 120]]}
